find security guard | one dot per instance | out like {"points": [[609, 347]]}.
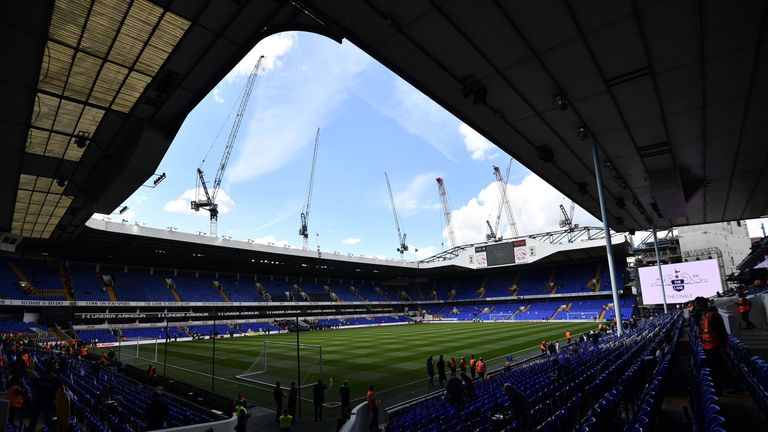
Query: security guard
{"points": [[285, 422], [745, 306], [242, 417], [714, 339]]}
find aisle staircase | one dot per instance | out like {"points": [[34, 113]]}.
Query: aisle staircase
{"points": [[597, 276], [481, 291], [560, 309], [525, 309], [606, 308], [515, 288], [223, 295], [66, 282], [109, 288], [549, 283], [171, 285]]}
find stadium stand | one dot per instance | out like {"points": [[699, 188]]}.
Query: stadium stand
{"points": [[193, 289], [92, 336], [240, 290], [140, 286], [85, 284], [556, 401]]}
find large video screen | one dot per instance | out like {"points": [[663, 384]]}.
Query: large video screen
{"points": [[682, 281], [500, 254]]}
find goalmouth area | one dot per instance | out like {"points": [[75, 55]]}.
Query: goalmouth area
{"points": [[392, 358]]}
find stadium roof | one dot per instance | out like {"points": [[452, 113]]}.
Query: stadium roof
{"points": [[675, 91]]}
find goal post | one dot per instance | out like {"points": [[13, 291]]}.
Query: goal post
{"points": [[500, 316], [277, 361], [140, 348]]}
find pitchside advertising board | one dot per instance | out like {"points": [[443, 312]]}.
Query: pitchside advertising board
{"points": [[501, 253], [682, 282]]}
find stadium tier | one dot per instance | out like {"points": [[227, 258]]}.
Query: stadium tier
{"points": [[86, 285], [140, 286]]}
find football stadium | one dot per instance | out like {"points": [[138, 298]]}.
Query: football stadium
{"points": [[639, 126]]}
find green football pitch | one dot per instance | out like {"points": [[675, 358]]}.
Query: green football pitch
{"points": [[392, 358]]}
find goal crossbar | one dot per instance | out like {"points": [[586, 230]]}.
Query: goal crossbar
{"points": [[277, 361]]}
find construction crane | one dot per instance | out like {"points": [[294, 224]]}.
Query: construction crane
{"points": [[504, 205], [566, 218], [491, 233], [304, 228], [209, 202], [400, 235], [446, 212]]}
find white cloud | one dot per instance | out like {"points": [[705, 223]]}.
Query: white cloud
{"points": [[272, 48], [754, 226], [292, 104], [416, 195], [476, 144], [216, 93], [351, 240], [181, 204], [273, 241], [423, 252], [534, 202]]}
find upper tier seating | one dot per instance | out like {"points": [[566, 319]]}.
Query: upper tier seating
{"points": [[138, 285], [241, 290], [192, 289], [12, 326], [86, 285]]}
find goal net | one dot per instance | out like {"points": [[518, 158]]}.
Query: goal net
{"points": [[277, 361], [140, 348], [500, 316]]}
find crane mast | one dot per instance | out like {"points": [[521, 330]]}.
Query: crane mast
{"points": [[209, 202], [400, 236], [566, 218], [304, 227], [504, 204], [446, 211]]}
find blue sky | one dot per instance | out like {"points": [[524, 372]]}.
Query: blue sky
{"points": [[370, 121]]}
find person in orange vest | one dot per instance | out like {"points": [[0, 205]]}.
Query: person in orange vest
{"points": [[714, 339], [568, 336], [452, 366], [463, 365], [745, 305], [15, 400], [472, 370], [374, 404], [543, 346], [151, 373], [480, 365]]}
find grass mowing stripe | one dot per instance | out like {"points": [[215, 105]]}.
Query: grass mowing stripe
{"points": [[390, 357]]}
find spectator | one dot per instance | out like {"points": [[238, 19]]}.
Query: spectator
{"points": [[430, 371], [318, 397], [469, 387], [285, 421], [551, 348], [745, 306], [277, 392], [373, 406], [441, 370], [463, 365], [344, 393], [157, 411], [151, 373], [46, 386], [518, 402], [543, 346], [568, 336], [15, 400], [293, 396], [454, 391], [472, 370], [557, 346]]}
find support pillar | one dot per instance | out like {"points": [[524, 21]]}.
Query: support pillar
{"points": [[607, 230], [658, 264]]}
